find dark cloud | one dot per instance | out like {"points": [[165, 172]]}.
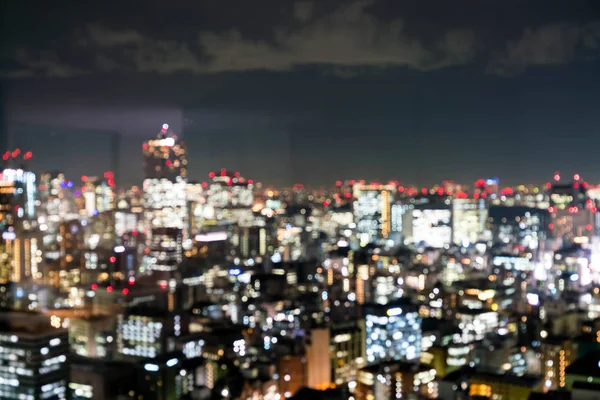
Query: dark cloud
{"points": [[556, 44], [349, 39]]}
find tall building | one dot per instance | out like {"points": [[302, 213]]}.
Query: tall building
{"points": [[572, 211], [34, 356], [393, 332], [230, 198], [372, 210], [431, 224], [165, 198], [21, 241], [468, 220]]}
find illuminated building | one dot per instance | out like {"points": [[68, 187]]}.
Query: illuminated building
{"points": [[431, 225], [317, 359], [348, 350], [457, 355], [573, 212], [518, 225], [35, 358], [17, 189], [372, 210], [468, 220], [165, 250], [98, 193], [505, 386], [91, 336], [165, 200], [557, 354], [143, 333], [229, 197], [22, 243], [252, 241], [165, 157], [165, 204], [476, 323], [396, 380], [392, 331]]}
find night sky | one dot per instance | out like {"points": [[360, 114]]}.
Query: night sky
{"points": [[308, 92]]}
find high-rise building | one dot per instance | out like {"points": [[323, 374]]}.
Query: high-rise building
{"points": [[34, 356], [431, 225], [165, 199], [557, 354], [21, 241], [468, 220], [393, 332], [372, 210]]}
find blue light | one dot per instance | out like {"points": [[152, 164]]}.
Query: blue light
{"points": [[235, 271], [172, 362], [70, 184], [95, 213], [63, 185]]}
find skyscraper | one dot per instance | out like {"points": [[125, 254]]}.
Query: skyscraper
{"points": [[165, 199]]}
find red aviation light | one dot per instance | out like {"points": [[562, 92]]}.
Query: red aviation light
{"points": [[576, 177], [223, 172], [548, 185], [557, 177], [211, 175], [83, 178], [401, 189], [424, 191], [27, 155], [6, 156], [250, 181], [440, 191]]}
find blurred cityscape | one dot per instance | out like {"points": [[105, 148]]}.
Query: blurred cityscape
{"points": [[231, 288]]}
